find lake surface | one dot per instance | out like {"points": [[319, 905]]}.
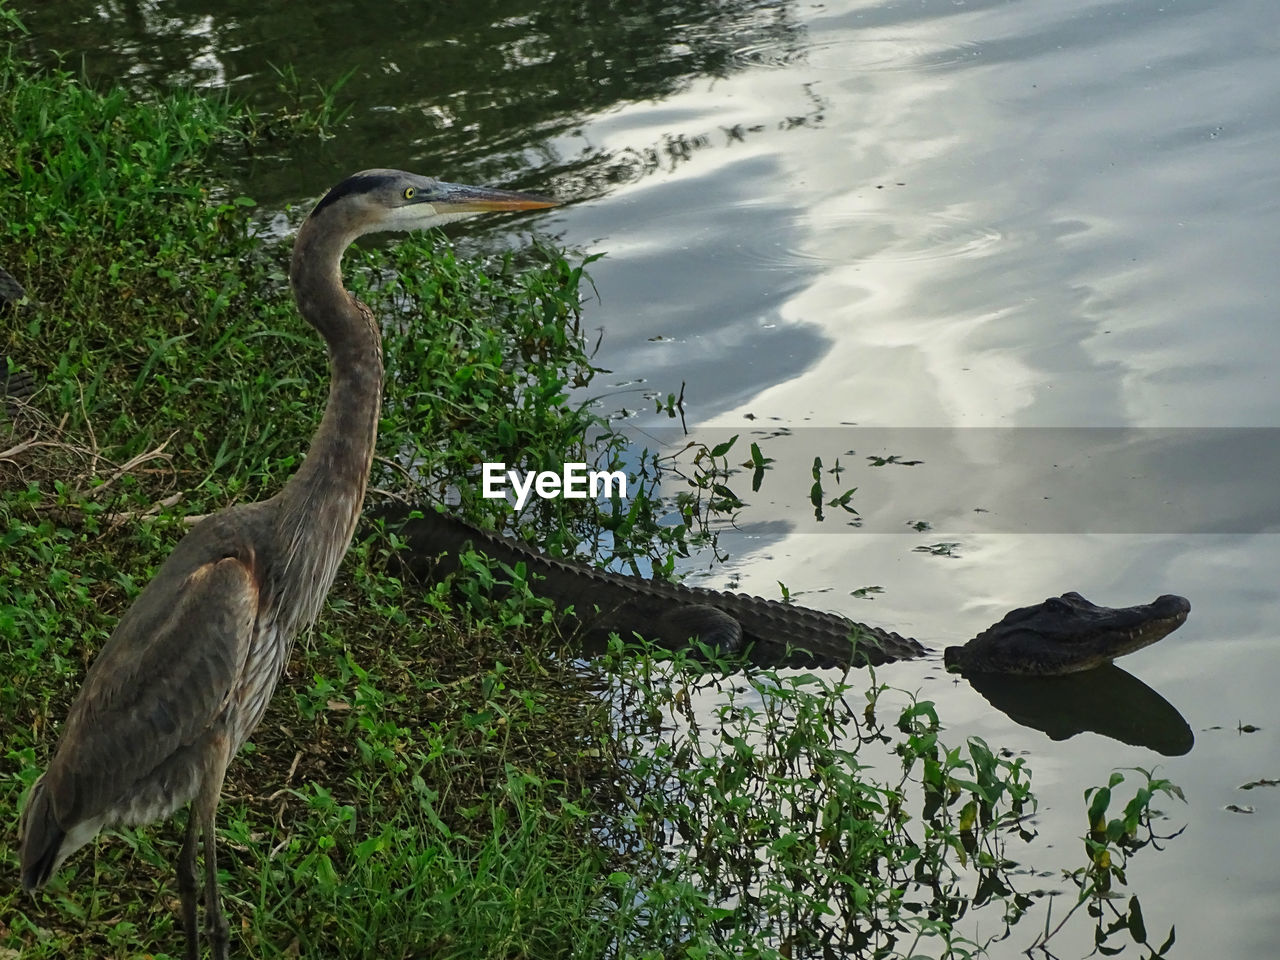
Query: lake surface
{"points": [[939, 231]]}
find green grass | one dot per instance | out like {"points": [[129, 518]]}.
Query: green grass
{"points": [[428, 782]]}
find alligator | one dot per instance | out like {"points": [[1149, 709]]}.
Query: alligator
{"points": [[1061, 635]]}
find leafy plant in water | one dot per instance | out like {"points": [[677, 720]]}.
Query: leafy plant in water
{"points": [[1109, 844], [793, 844]]}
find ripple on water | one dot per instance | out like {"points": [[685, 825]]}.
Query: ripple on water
{"points": [[879, 237], [862, 53]]}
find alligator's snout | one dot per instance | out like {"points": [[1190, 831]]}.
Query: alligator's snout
{"points": [[1173, 605]]}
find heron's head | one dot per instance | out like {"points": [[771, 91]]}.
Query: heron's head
{"points": [[374, 201]]}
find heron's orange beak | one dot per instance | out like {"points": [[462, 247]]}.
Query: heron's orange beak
{"points": [[459, 198]]}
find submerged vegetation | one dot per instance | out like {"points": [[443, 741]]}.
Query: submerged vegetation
{"points": [[430, 781]]}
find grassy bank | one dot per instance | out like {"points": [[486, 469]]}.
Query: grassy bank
{"points": [[428, 782]]}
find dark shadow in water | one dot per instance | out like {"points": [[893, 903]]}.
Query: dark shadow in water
{"points": [[525, 94], [1108, 701]]}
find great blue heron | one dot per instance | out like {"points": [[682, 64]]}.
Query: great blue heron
{"points": [[187, 674]]}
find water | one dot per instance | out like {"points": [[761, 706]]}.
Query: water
{"points": [[917, 214]]}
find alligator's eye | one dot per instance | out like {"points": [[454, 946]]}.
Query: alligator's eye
{"points": [[409, 193]]}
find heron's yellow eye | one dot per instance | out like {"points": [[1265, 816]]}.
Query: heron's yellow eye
{"points": [[409, 192]]}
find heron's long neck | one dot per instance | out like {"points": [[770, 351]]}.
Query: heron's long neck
{"points": [[321, 502]]}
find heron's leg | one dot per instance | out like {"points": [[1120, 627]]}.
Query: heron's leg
{"points": [[187, 883], [218, 930], [205, 808]]}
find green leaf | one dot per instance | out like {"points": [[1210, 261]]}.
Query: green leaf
{"points": [[720, 449], [1136, 925]]}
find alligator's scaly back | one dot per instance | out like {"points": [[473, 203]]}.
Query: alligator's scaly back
{"points": [[773, 633]]}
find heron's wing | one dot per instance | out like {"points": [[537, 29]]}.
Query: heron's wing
{"points": [[161, 686]]}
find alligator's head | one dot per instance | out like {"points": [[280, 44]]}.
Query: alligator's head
{"points": [[1066, 634]]}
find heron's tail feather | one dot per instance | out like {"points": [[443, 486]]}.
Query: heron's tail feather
{"points": [[42, 838]]}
